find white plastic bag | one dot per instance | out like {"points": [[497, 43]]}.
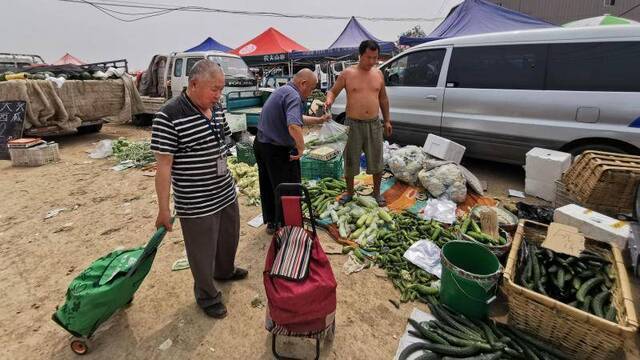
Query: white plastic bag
{"points": [[425, 255], [103, 149], [406, 162], [331, 131], [442, 210]]}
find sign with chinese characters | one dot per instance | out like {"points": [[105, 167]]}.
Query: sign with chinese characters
{"points": [[12, 115]]}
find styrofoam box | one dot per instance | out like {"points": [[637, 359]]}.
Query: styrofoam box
{"points": [[548, 165], [542, 189], [594, 225], [443, 149]]}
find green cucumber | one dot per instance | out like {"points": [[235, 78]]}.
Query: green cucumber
{"points": [[586, 304], [475, 227], [426, 334], [587, 286], [488, 356], [540, 344], [611, 313], [447, 319], [598, 302], [440, 349], [465, 225]]}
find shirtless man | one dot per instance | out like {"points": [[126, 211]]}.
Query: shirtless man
{"points": [[366, 96]]}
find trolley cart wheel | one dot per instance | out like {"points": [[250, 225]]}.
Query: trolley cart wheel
{"points": [[280, 357], [129, 303], [79, 346]]}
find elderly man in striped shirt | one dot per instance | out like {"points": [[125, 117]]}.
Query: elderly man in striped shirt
{"points": [[188, 138]]}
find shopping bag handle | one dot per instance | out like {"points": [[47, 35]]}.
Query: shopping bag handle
{"points": [[151, 247]]}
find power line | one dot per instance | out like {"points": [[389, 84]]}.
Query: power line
{"points": [[628, 11], [150, 10]]}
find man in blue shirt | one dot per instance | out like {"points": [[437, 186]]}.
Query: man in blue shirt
{"points": [[280, 143]]}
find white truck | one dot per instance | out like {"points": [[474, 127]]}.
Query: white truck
{"points": [[167, 76]]}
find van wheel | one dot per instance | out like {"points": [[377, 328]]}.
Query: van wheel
{"points": [[577, 150]]}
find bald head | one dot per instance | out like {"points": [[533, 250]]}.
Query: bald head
{"points": [[206, 81], [305, 80], [205, 69]]}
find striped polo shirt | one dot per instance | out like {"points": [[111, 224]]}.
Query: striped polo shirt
{"points": [[181, 130]]}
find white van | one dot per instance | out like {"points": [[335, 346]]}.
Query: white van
{"points": [[501, 94], [237, 74]]}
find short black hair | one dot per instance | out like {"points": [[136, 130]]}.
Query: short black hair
{"points": [[368, 45]]}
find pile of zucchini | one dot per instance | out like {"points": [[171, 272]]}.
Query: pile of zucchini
{"points": [[584, 282], [453, 336], [324, 193]]}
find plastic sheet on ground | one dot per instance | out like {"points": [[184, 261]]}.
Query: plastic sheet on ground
{"points": [[425, 255], [408, 339]]}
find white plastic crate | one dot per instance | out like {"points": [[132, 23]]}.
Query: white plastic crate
{"points": [[34, 156]]}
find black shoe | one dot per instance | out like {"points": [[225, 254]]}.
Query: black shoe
{"points": [[271, 228], [238, 274], [217, 311]]}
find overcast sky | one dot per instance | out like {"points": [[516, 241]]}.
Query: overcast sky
{"points": [[51, 28]]}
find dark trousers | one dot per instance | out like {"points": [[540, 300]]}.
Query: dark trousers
{"points": [[211, 242], [274, 168]]}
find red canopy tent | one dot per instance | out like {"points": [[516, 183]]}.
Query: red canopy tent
{"points": [[69, 59], [270, 47]]}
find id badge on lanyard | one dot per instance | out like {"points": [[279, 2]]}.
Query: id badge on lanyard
{"points": [[221, 162]]}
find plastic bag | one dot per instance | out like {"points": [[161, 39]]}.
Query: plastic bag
{"points": [[442, 210], [445, 181], [425, 255], [331, 131], [103, 149], [405, 163]]}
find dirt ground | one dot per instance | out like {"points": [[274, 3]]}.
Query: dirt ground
{"points": [[105, 210]]}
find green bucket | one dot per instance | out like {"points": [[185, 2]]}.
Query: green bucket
{"points": [[470, 275]]}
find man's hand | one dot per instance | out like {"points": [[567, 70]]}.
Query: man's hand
{"points": [[327, 105], [294, 157], [388, 129], [164, 219], [324, 118]]}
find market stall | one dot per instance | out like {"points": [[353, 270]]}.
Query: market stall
{"points": [[478, 17], [441, 242]]}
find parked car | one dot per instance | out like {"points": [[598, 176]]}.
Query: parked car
{"points": [[15, 62], [501, 94]]}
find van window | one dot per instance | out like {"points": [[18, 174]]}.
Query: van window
{"points": [[498, 67], [609, 66], [177, 68], [419, 69], [191, 62], [232, 66]]}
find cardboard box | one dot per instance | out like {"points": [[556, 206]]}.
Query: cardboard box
{"points": [[547, 165], [443, 149], [542, 189], [594, 225]]}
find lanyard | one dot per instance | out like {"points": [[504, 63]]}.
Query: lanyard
{"points": [[216, 134]]}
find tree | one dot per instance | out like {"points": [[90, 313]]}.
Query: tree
{"points": [[415, 31]]}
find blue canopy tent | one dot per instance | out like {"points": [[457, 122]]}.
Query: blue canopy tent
{"points": [[346, 45], [478, 17], [209, 44]]}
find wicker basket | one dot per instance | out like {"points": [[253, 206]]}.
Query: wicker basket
{"points": [[563, 197], [580, 334], [245, 153], [605, 182], [35, 156], [320, 169]]}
